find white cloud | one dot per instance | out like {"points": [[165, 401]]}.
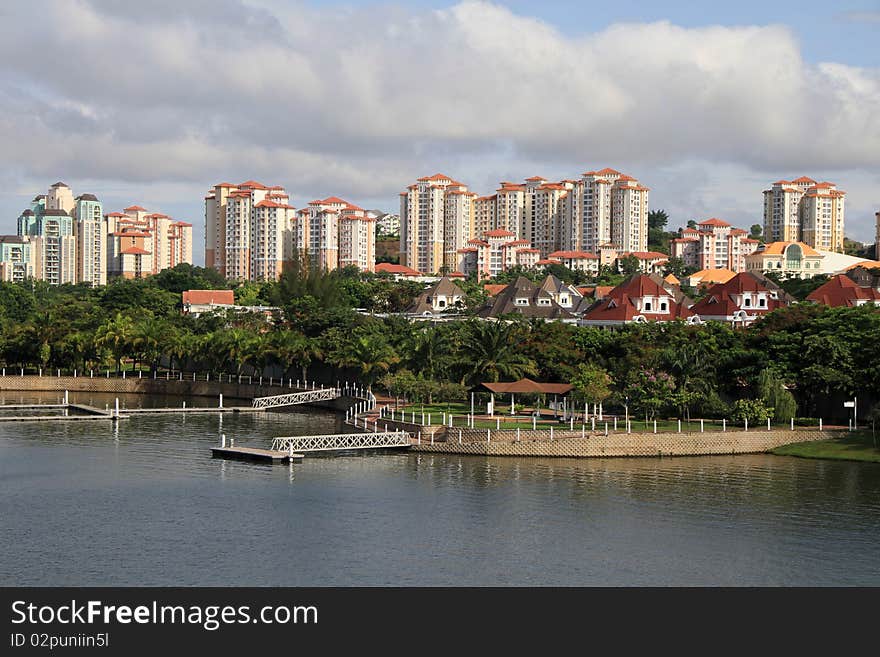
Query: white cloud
{"points": [[359, 102]]}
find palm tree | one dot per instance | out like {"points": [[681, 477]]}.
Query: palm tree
{"points": [[489, 350], [117, 335], [368, 353], [292, 347], [151, 339], [428, 352]]}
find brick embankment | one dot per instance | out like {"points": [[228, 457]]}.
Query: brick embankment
{"points": [[571, 444], [158, 386]]}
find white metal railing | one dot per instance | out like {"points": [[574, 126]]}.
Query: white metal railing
{"points": [[339, 441], [292, 398]]}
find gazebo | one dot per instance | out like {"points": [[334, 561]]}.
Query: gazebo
{"points": [[523, 387]]}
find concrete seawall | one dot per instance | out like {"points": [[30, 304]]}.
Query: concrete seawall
{"points": [[157, 386], [572, 445]]}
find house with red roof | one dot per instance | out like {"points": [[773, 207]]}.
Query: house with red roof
{"points": [[843, 292], [639, 299], [741, 300]]}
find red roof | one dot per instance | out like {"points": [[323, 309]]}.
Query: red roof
{"points": [[843, 291], [536, 178], [499, 233], [207, 297], [389, 268], [253, 184], [719, 300], [436, 176], [136, 208], [334, 200], [134, 250], [604, 172], [619, 306], [493, 289], [575, 255], [714, 221], [804, 179]]}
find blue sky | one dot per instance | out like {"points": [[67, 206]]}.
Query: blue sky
{"points": [[152, 103]]}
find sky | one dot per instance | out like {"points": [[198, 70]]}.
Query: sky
{"points": [[153, 103]]}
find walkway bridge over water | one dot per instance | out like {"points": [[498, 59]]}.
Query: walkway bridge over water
{"points": [[342, 441], [294, 398]]}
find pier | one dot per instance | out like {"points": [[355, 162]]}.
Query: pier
{"points": [[255, 454]]}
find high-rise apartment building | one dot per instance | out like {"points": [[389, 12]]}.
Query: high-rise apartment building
{"points": [[90, 230], [141, 243], [605, 209], [335, 233], [805, 210], [713, 244], [16, 258], [877, 237], [434, 224], [248, 230], [50, 223]]}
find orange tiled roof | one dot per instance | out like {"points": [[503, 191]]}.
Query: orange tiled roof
{"points": [[207, 297]]}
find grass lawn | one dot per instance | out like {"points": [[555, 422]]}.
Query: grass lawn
{"points": [[857, 446]]}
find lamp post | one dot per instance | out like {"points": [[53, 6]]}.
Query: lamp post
{"points": [[626, 408]]}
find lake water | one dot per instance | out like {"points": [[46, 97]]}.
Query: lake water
{"points": [[84, 504]]}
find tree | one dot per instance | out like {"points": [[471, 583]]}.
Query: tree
{"points": [[756, 232], [368, 353], [650, 391], [753, 410], [657, 219], [629, 266], [592, 383], [489, 351], [116, 335], [776, 396]]}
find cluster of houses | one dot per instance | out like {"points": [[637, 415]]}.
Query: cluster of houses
{"points": [[739, 299]]}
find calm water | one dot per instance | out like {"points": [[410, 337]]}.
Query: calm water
{"points": [[82, 504]]}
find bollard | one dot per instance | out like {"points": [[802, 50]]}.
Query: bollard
{"points": [[432, 437], [534, 423], [184, 405], [792, 424], [123, 374], [615, 423], [746, 425], [768, 424], [222, 440], [429, 421], [517, 434], [74, 374], [488, 435], [593, 423], [701, 425], [459, 436], [117, 407], [497, 423], [679, 426], [140, 374], [724, 424], [419, 438], [221, 400], [551, 433], [571, 422], [606, 428], [583, 431], [820, 424]]}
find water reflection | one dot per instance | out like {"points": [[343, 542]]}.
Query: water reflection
{"points": [[143, 503]]}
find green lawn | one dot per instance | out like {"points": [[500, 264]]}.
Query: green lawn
{"points": [[460, 412], [857, 446]]}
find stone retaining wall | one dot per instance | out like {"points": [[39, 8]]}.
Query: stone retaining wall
{"points": [[159, 386], [570, 444]]}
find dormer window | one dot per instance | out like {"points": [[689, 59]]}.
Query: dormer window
{"points": [[521, 301], [543, 302], [762, 302], [747, 302], [647, 306], [663, 307]]}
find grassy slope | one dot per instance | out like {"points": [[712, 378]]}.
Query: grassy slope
{"points": [[858, 446]]}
